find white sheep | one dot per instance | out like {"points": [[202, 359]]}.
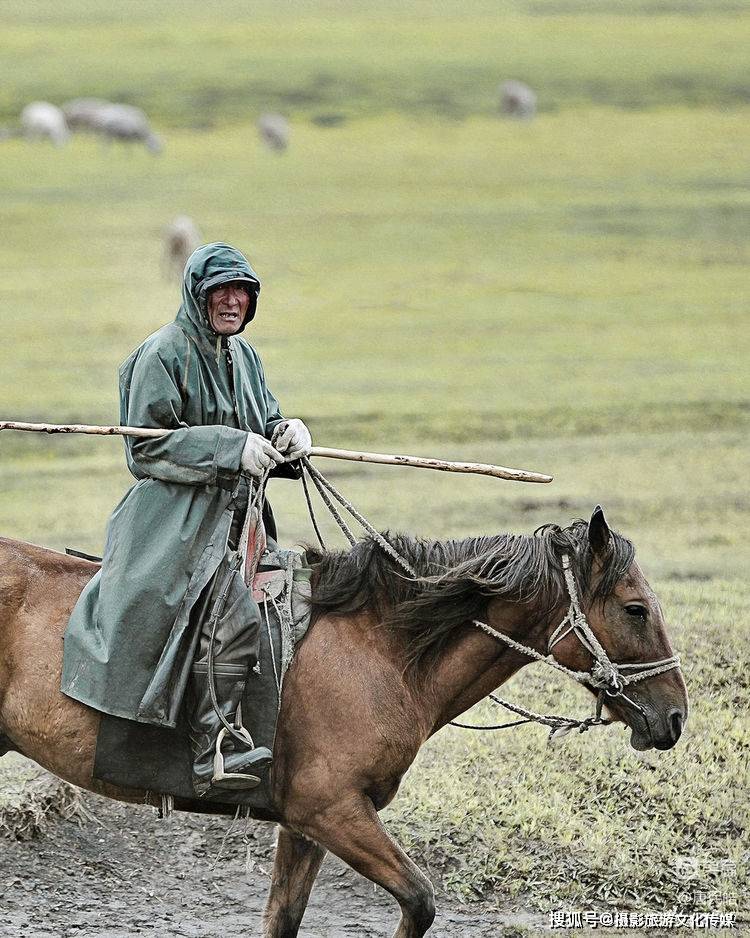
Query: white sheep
{"points": [[517, 100], [274, 131], [42, 120], [181, 238], [84, 113], [128, 123], [111, 121]]}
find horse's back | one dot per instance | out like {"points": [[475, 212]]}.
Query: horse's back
{"points": [[24, 566], [43, 559]]}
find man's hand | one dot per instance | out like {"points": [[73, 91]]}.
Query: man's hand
{"points": [[294, 440], [258, 455]]}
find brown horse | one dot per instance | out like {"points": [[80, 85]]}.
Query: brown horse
{"points": [[387, 662]]}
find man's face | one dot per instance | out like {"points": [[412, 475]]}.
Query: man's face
{"points": [[227, 307]]}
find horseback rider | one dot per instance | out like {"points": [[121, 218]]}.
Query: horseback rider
{"points": [[135, 630]]}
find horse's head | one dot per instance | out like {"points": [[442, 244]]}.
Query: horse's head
{"points": [[626, 619]]}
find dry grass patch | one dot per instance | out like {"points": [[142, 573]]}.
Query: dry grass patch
{"points": [[29, 796]]}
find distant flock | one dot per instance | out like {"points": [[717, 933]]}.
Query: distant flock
{"points": [[41, 120]]}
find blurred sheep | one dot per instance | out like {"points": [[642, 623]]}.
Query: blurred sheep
{"points": [[42, 120], [128, 123], [84, 113], [112, 121], [181, 238], [517, 100], [274, 131]]}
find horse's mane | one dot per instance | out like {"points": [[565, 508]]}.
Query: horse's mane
{"points": [[458, 578]]}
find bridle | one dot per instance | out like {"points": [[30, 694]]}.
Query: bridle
{"points": [[604, 673], [607, 677]]}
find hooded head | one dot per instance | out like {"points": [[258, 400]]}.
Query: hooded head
{"points": [[208, 267]]}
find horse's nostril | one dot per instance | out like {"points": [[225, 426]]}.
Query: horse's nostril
{"points": [[675, 724]]}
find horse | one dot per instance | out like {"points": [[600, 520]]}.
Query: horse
{"points": [[388, 660]]}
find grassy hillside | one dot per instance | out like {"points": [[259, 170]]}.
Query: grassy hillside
{"points": [[572, 303], [566, 295], [196, 64]]}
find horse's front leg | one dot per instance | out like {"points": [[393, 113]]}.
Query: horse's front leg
{"points": [[352, 830], [295, 867]]}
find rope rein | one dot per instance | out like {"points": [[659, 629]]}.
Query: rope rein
{"points": [[607, 677], [324, 487]]}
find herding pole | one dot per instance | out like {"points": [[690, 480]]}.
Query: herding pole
{"points": [[386, 459]]}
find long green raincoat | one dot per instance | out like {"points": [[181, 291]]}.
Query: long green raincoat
{"points": [[129, 642]]}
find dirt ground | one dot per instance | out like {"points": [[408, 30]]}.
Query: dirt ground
{"points": [[121, 871]]}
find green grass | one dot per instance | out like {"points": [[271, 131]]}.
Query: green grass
{"points": [[193, 64], [441, 302], [566, 296]]}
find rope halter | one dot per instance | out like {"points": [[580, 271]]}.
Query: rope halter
{"points": [[606, 676]]}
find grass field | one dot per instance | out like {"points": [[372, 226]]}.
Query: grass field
{"points": [[566, 295]]}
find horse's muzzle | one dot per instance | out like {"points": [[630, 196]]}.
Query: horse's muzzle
{"points": [[663, 732], [674, 723], [647, 729]]}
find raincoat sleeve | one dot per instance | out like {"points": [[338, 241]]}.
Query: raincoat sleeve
{"points": [[199, 455]]}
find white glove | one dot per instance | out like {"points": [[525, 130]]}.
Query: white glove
{"points": [[258, 455], [294, 440]]}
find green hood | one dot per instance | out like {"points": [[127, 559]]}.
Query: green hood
{"points": [[208, 267]]}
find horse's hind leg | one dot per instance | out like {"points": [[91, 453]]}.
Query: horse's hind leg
{"points": [[353, 831], [295, 867]]}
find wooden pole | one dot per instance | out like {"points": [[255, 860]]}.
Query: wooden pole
{"points": [[386, 459], [142, 432], [425, 462]]}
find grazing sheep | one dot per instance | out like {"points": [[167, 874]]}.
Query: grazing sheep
{"points": [[40, 120], [128, 123], [111, 121], [274, 131], [181, 238], [517, 100], [84, 113]]}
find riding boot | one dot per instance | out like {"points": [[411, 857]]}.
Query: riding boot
{"points": [[220, 760]]}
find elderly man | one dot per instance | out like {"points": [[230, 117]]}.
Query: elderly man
{"points": [[132, 637]]}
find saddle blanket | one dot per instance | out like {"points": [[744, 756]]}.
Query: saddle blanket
{"points": [[159, 760]]}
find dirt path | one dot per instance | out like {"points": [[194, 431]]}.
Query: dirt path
{"points": [[123, 872]]}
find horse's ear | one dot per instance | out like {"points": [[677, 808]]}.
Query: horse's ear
{"points": [[600, 535]]}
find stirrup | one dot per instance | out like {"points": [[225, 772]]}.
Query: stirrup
{"points": [[223, 779]]}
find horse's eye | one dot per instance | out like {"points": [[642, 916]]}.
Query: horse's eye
{"points": [[637, 611]]}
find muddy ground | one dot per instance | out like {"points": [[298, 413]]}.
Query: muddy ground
{"points": [[119, 871]]}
